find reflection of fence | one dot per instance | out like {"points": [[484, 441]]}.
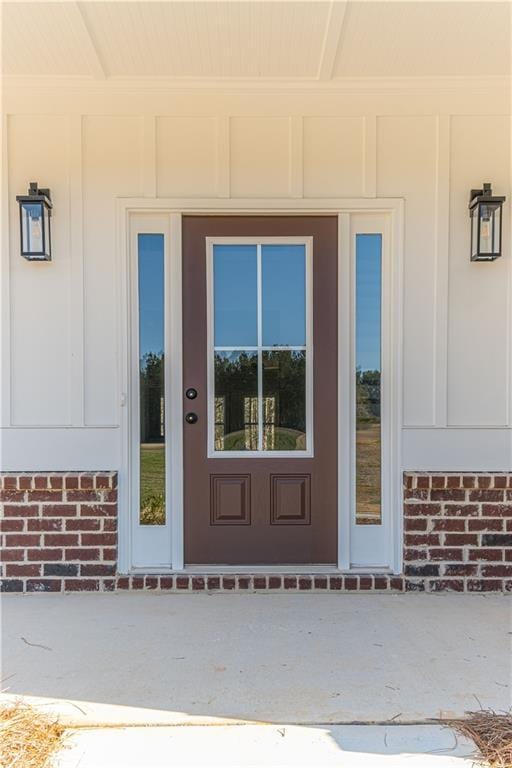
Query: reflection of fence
{"points": [[251, 423], [249, 427], [269, 423]]}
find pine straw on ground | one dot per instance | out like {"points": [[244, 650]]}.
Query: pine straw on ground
{"points": [[492, 733], [28, 739]]}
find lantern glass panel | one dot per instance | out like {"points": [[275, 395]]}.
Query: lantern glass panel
{"points": [[486, 213], [32, 228], [46, 232], [497, 230], [474, 232]]}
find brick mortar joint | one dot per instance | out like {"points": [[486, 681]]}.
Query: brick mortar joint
{"points": [[253, 583], [55, 481]]}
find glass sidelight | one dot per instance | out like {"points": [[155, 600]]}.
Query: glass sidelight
{"points": [[151, 379], [368, 379], [260, 355]]}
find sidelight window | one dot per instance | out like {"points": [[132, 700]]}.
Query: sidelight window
{"points": [[260, 347], [151, 379], [368, 379]]}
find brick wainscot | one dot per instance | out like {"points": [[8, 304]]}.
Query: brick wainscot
{"points": [[59, 531], [458, 532], [59, 534]]}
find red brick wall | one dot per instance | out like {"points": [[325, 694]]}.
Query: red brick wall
{"points": [[458, 532], [58, 531]]}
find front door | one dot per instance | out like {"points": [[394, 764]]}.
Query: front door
{"points": [[260, 389]]}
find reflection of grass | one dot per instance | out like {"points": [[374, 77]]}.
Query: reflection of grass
{"points": [[368, 460], [152, 484], [284, 440]]}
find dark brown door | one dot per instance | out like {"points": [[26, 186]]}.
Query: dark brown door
{"points": [[260, 389]]}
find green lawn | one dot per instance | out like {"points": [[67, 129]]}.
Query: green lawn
{"points": [[368, 461], [284, 440], [152, 484]]}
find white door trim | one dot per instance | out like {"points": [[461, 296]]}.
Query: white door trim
{"points": [[368, 542], [393, 209]]}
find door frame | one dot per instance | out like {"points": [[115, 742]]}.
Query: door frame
{"points": [[390, 213]]}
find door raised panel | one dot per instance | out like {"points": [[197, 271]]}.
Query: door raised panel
{"points": [[230, 499], [290, 502]]}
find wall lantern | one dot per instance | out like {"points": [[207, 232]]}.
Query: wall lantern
{"points": [[485, 211], [35, 211]]}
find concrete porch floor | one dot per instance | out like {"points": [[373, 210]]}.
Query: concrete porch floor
{"points": [[132, 658]]}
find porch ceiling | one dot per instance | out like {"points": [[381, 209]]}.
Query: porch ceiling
{"points": [[259, 40]]}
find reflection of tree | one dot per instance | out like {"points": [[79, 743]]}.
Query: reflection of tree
{"points": [[368, 395], [151, 397], [236, 392], [152, 459], [368, 448], [284, 379], [236, 374], [236, 379]]}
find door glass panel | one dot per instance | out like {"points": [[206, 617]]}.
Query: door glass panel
{"points": [[236, 401], [151, 378], [235, 295], [259, 307], [368, 378], [284, 295], [284, 400]]}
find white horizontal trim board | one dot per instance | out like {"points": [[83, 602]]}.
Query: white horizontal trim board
{"points": [[460, 449], [60, 449], [354, 85]]}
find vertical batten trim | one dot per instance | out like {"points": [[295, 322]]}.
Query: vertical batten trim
{"points": [[223, 156], [370, 155], [296, 156], [77, 331], [396, 266], [5, 278], [174, 348], [345, 388], [509, 296], [149, 178], [124, 325], [441, 261]]}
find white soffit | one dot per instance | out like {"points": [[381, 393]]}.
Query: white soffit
{"points": [[425, 39], [42, 39], [255, 40], [209, 39]]}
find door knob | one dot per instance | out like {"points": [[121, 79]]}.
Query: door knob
{"points": [[191, 418], [191, 393]]}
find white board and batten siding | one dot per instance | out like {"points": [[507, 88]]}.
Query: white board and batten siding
{"points": [[62, 355]]}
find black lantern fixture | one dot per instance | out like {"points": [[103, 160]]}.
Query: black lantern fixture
{"points": [[485, 211], [35, 212]]}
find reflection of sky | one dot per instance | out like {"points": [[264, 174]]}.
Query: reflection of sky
{"points": [[151, 294], [368, 301], [283, 280], [235, 292], [283, 295]]}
